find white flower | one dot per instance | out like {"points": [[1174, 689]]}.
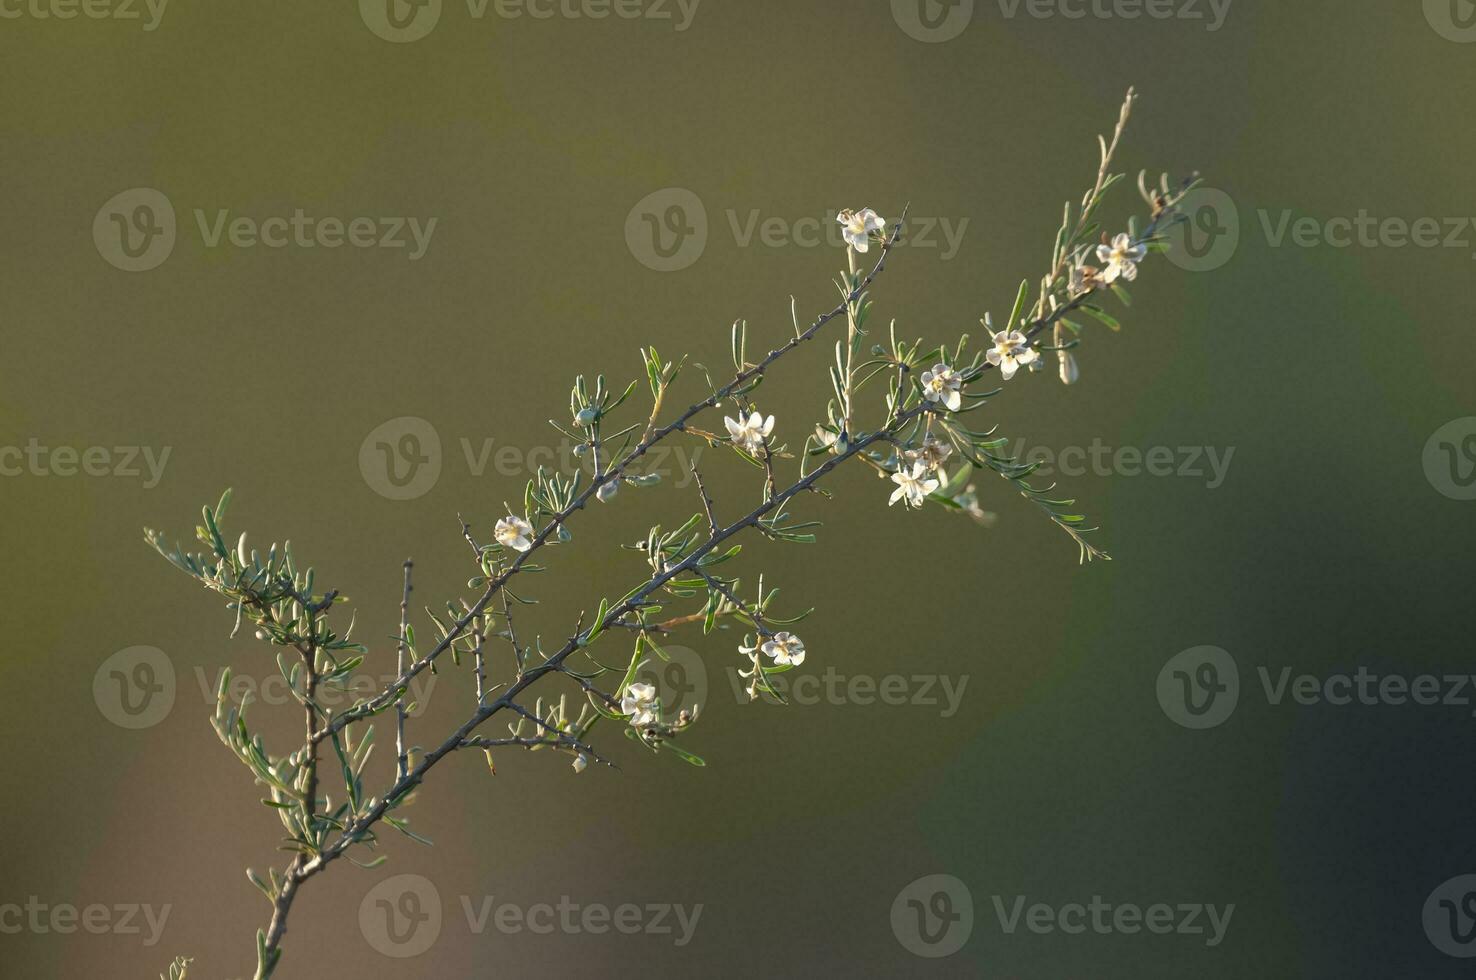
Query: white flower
{"points": [[514, 532], [641, 704], [942, 384], [581, 761], [1010, 351], [607, 490], [750, 433], [932, 454], [857, 226], [913, 485], [1122, 258], [1084, 279], [786, 649], [827, 439]]}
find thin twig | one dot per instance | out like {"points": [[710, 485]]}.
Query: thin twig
{"points": [[402, 759]]}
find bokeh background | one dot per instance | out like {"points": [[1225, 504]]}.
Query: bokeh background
{"points": [[1327, 547]]}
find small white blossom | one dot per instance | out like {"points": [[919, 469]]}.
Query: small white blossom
{"points": [[943, 384], [1084, 279], [607, 490], [827, 439], [514, 532], [750, 433], [581, 762], [1122, 258], [786, 649], [1010, 351], [913, 485], [641, 705], [857, 226], [932, 454]]}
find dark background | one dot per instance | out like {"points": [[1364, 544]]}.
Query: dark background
{"points": [[1327, 548]]}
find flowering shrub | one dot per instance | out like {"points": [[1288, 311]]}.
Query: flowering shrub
{"points": [[919, 437]]}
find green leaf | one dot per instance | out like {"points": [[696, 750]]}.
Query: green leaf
{"points": [[599, 623], [1101, 315], [684, 755], [220, 508], [403, 827], [1020, 299]]}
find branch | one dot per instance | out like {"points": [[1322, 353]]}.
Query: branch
{"points": [[614, 472], [355, 831]]}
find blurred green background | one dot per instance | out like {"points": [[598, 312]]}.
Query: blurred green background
{"points": [[1326, 549]]}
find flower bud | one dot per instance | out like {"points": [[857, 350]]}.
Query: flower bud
{"points": [[1069, 371]]}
